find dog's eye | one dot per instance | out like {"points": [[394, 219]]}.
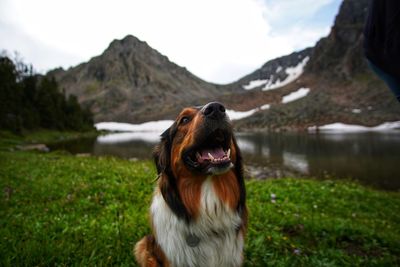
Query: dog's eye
{"points": [[184, 120]]}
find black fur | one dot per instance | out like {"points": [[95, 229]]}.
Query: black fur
{"points": [[241, 208], [168, 186]]}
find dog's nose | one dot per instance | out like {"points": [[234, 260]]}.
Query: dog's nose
{"points": [[214, 110]]}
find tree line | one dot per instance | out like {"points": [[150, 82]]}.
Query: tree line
{"points": [[30, 101]]}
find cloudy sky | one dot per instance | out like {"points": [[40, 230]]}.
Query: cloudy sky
{"points": [[217, 40]]}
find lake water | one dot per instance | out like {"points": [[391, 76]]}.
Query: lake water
{"points": [[371, 158]]}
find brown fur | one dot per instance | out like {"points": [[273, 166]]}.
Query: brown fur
{"points": [[149, 254]]}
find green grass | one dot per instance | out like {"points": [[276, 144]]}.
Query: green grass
{"points": [[8, 140], [60, 210]]}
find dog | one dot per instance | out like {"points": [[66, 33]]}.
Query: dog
{"points": [[198, 211]]}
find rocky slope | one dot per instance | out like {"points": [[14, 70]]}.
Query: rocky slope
{"points": [[131, 82], [275, 73], [341, 87]]}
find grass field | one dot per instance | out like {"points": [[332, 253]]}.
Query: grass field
{"points": [[57, 209]]}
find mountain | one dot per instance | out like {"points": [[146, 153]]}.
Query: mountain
{"points": [[275, 73], [131, 82], [336, 82], [258, 88]]}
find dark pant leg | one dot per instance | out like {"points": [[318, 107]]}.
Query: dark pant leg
{"points": [[392, 82]]}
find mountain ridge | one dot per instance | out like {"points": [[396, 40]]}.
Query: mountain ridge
{"points": [[131, 82], [342, 88], [127, 76]]}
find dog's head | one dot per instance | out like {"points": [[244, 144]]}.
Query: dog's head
{"points": [[200, 143]]}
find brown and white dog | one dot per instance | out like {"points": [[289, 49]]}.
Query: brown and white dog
{"points": [[198, 212]]}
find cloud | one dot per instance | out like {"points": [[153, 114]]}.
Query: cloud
{"points": [[218, 40], [31, 50], [276, 11]]}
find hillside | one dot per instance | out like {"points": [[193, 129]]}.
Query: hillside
{"points": [[259, 87], [131, 82]]}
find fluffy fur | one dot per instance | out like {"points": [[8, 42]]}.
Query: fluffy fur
{"points": [[205, 201]]}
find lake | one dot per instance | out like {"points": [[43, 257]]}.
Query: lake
{"points": [[370, 158]]}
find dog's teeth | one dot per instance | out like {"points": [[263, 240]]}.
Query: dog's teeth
{"points": [[198, 155], [228, 154], [211, 156]]}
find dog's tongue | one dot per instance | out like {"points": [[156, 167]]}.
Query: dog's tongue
{"points": [[216, 153]]}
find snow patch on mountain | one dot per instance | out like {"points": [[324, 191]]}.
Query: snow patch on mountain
{"points": [[266, 106], [238, 115], [339, 127], [292, 72], [151, 126], [113, 138], [254, 84], [302, 92]]}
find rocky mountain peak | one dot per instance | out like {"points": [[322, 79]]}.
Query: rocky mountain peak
{"points": [[133, 49], [128, 42], [352, 13], [128, 79], [339, 56]]}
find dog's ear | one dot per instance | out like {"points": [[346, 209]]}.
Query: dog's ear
{"points": [[239, 161], [239, 176], [168, 185], [162, 152]]}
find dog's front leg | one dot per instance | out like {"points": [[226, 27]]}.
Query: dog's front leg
{"points": [[149, 254]]}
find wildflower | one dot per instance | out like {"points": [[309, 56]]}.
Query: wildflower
{"points": [[273, 198], [297, 251]]}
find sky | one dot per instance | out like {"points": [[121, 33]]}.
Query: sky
{"points": [[217, 40]]}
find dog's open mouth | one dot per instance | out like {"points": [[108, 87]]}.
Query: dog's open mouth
{"points": [[212, 155]]}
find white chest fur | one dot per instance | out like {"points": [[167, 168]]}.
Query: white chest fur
{"points": [[216, 227]]}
